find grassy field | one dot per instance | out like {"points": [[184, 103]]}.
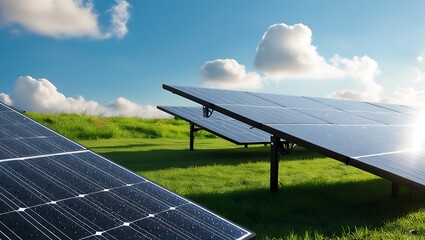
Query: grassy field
{"points": [[319, 198]]}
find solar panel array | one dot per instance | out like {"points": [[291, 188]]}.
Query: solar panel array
{"points": [[53, 188], [221, 125], [384, 139]]}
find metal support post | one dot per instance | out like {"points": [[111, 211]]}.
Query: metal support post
{"points": [[274, 163], [192, 136]]}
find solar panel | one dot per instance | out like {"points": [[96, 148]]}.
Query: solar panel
{"points": [[292, 101], [220, 125], [383, 139], [54, 188]]}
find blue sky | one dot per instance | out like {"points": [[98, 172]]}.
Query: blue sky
{"points": [[363, 50]]}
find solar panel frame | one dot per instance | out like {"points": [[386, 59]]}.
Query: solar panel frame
{"points": [[349, 106], [228, 125], [28, 208]]}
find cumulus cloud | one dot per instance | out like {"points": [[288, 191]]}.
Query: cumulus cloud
{"points": [[124, 107], [228, 73], [5, 99], [408, 96], [42, 96], [63, 18], [363, 69], [120, 16], [286, 52]]}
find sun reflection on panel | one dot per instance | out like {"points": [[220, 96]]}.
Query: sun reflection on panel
{"points": [[418, 133]]}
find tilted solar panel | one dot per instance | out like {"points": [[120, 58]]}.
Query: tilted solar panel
{"points": [[220, 125], [384, 139], [53, 188]]}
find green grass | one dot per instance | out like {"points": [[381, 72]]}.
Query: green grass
{"points": [[318, 197], [83, 127]]}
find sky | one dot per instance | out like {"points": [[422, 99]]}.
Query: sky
{"points": [[111, 57]]}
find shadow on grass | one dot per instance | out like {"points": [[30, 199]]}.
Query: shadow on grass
{"points": [[126, 146], [326, 209], [151, 160]]}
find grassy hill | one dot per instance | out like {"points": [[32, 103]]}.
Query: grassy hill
{"points": [[319, 198], [84, 127]]}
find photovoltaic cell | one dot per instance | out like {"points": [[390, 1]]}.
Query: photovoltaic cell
{"points": [[270, 115], [346, 105], [402, 109], [384, 139], [53, 188], [389, 118], [224, 97], [221, 125], [292, 101], [337, 117]]}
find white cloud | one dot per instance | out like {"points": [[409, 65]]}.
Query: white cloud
{"points": [[5, 99], [364, 70], [124, 107], [286, 52], [42, 96], [63, 18], [228, 73], [408, 96], [120, 16], [419, 58]]}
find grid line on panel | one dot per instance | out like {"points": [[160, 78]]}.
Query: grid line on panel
{"points": [[25, 185], [62, 191], [38, 226], [42, 156], [49, 202]]}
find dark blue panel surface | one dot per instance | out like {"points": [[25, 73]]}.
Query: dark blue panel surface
{"points": [[157, 229], [347, 105], [118, 172], [338, 117], [226, 96], [63, 224], [272, 115], [125, 210], [13, 118], [401, 109], [19, 225], [211, 220], [389, 118], [53, 188], [293, 101], [22, 137], [4, 108]]}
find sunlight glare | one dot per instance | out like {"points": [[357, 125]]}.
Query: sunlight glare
{"points": [[418, 134]]}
